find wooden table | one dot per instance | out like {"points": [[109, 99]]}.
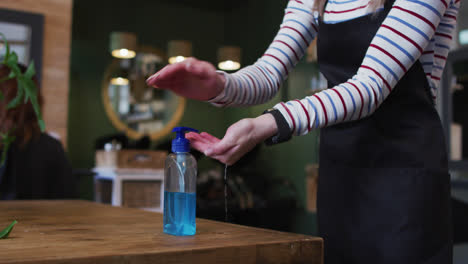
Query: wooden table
{"points": [[85, 232]]}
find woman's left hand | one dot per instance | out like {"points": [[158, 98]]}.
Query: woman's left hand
{"points": [[240, 138]]}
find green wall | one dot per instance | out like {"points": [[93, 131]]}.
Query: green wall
{"points": [[249, 24]]}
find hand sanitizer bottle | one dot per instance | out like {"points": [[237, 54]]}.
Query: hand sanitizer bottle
{"points": [[180, 180]]}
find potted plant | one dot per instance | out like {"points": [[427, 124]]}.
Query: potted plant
{"points": [[27, 92]]}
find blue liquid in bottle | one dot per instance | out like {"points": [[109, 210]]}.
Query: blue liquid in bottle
{"points": [[179, 213]]}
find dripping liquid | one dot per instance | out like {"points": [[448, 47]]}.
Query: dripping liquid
{"points": [[225, 194]]}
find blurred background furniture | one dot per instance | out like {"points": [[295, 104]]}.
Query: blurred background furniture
{"points": [[130, 178], [136, 188]]}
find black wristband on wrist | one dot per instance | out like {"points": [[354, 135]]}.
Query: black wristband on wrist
{"points": [[284, 132]]}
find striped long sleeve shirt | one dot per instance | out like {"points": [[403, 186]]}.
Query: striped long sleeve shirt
{"points": [[413, 30]]}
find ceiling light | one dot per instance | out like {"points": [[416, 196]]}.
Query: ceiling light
{"points": [[176, 59], [119, 81], [123, 45], [179, 50], [229, 58]]}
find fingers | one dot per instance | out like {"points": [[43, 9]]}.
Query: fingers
{"points": [[203, 137], [220, 148], [208, 144], [210, 137], [230, 157], [201, 142], [201, 69], [200, 146], [225, 150], [198, 142], [166, 74], [198, 68], [194, 137], [151, 80]]}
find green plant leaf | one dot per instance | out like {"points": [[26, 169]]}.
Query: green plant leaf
{"points": [[25, 85], [7, 48], [31, 95], [41, 124], [6, 139], [12, 62], [26, 89], [5, 232], [11, 75], [30, 71], [19, 96], [38, 113]]}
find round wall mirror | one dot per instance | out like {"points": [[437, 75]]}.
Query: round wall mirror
{"points": [[131, 105]]}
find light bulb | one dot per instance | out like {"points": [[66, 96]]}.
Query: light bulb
{"points": [[176, 59], [229, 65], [123, 53], [119, 81]]}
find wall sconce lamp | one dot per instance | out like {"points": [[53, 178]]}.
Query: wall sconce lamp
{"points": [[178, 50], [123, 45], [229, 58], [119, 81], [119, 76]]}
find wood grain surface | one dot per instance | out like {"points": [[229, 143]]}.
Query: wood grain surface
{"points": [[55, 58], [85, 232]]}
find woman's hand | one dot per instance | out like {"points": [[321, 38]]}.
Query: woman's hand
{"points": [[240, 138], [190, 78]]}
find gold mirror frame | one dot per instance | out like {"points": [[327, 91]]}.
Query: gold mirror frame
{"points": [[119, 124]]}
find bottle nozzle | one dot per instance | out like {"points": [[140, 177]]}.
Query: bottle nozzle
{"points": [[180, 143]]}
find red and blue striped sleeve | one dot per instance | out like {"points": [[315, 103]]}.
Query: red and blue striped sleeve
{"points": [[413, 30], [258, 83], [435, 55], [407, 31]]}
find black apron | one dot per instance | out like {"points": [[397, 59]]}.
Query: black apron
{"points": [[384, 192]]}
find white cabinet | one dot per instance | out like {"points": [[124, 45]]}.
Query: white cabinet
{"points": [[136, 188]]}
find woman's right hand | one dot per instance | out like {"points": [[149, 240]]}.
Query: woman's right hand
{"points": [[240, 138], [191, 78]]}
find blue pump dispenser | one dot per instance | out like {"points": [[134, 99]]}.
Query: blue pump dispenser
{"points": [[180, 179], [180, 143]]}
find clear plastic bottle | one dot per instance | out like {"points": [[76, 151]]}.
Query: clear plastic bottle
{"points": [[180, 180]]}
